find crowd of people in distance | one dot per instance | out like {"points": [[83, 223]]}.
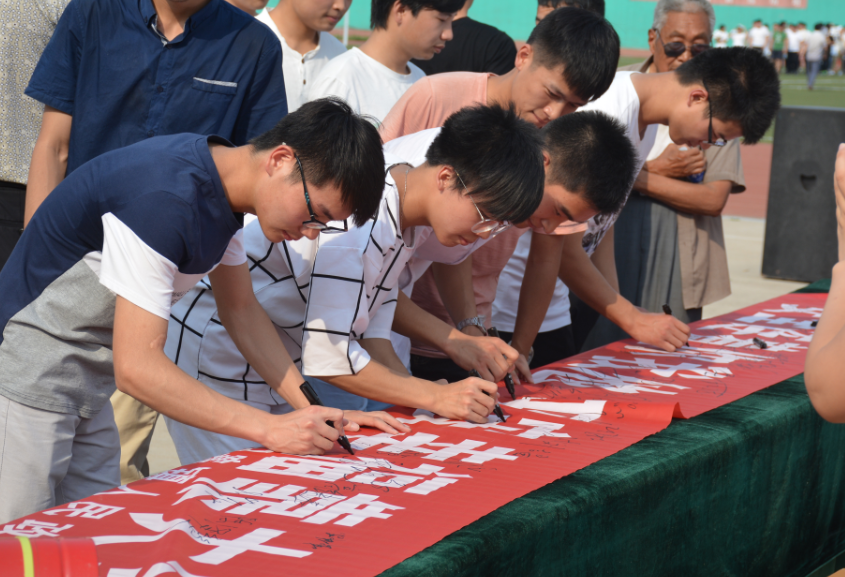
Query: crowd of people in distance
{"points": [[208, 205], [792, 47]]}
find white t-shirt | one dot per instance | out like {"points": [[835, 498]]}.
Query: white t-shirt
{"points": [[793, 40], [720, 38], [759, 36], [738, 37], [300, 70], [367, 85], [622, 103], [815, 46]]}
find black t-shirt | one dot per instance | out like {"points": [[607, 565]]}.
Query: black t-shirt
{"points": [[476, 47]]}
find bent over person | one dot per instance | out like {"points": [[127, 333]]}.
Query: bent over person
{"points": [[332, 300], [87, 293]]}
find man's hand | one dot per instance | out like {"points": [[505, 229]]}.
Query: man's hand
{"points": [[659, 329], [839, 188], [491, 357], [522, 371], [376, 419], [304, 432], [465, 400], [676, 163]]}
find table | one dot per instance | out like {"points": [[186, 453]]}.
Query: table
{"points": [[756, 487]]}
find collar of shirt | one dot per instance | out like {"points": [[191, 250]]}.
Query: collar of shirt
{"points": [[150, 18]]}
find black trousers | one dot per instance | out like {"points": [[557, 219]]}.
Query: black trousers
{"points": [[12, 200], [433, 369], [792, 62]]}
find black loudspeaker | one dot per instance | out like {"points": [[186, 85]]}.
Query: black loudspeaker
{"points": [[801, 219]]}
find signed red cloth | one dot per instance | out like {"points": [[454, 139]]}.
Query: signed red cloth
{"points": [[262, 513]]}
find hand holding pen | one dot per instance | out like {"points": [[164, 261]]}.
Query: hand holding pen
{"points": [[496, 408], [312, 397], [494, 332]]}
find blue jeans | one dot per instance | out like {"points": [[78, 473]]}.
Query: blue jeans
{"points": [[338, 398], [813, 67]]}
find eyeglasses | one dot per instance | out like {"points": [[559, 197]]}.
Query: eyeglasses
{"points": [[487, 225], [675, 49], [315, 224], [720, 142]]}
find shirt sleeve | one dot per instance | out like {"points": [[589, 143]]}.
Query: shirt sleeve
{"points": [[235, 253], [382, 322], [54, 80], [336, 301], [265, 103], [131, 268], [328, 85], [411, 112], [501, 56], [725, 163]]}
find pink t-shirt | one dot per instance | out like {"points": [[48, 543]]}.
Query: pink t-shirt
{"points": [[431, 100]]}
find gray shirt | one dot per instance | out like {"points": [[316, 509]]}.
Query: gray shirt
{"points": [[28, 26]]}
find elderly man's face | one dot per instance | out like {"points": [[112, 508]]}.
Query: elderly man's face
{"points": [[688, 28]]}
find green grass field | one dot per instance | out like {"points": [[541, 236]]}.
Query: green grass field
{"points": [[829, 91]]}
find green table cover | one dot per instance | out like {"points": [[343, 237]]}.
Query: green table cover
{"points": [[752, 488]]}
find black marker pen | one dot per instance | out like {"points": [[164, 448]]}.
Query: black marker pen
{"points": [[494, 332], [312, 397], [496, 408]]}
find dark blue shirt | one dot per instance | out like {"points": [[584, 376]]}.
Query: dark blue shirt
{"points": [[110, 70]]}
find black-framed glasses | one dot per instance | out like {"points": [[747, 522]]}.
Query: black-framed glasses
{"points": [[675, 49], [315, 224], [719, 142], [487, 225]]}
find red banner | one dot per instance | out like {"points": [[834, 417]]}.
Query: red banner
{"points": [[262, 513]]}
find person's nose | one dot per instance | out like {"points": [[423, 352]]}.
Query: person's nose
{"points": [[310, 233], [447, 33]]}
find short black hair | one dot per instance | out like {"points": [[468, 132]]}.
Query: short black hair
{"points": [[334, 145], [584, 43], [380, 9], [592, 156], [596, 6], [742, 84], [498, 156]]}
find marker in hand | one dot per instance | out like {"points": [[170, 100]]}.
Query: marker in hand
{"points": [[667, 310], [494, 332], [312, 397], [496, 408]]}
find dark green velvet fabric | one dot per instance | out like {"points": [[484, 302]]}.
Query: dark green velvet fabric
{"points": [[756, 487]]}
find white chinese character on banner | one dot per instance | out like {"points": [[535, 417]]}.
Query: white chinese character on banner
{"points": [[617, 383], [354, 510], [225, 459], [707, 355], [222, 549], [86, 510], [684, 370], [180, 476], [434, 451], [31, 528], [541, 429]]}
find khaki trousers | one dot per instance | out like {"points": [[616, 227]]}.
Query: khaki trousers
{"points": [[135, 423]]}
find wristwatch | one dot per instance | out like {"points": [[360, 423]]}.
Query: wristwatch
{"points": [[477, 321]]}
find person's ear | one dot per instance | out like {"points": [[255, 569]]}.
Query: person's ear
{"points": [[444, 178], [524, 57], [697, 96], [398, 12], [279, 159], [652, 38], [547, 162]]}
